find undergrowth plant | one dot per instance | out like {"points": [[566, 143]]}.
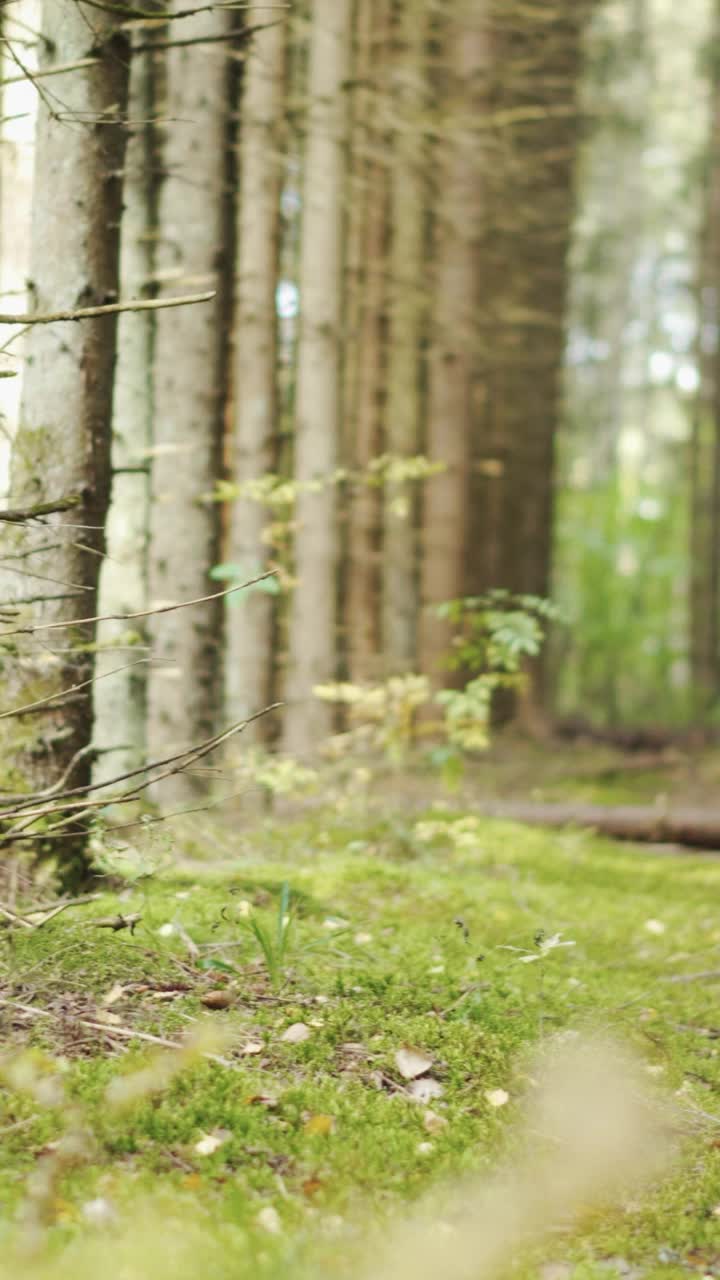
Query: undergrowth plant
{"points": [[495, 636], [273, 938]]}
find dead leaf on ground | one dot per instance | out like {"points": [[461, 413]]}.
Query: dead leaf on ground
{"points": [[269, 1219], [424, 1089], [497, 1097], [311, 1186], [108, 1018], [210, 1142], [433, 1123], [297, 1033], [262, 1100], [116, 992], [218, 999], [252, 1046], [412, 1063]]}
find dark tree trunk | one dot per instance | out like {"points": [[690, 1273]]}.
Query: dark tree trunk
{"points": [[62, 448]]}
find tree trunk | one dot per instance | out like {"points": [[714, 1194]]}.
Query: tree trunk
{"points": [[705, 445], [528, 229], [406, 330], [189, 383], [365, 343], [313, 641], [62, 447], [121, 695], [248, 655], [454, 337]]}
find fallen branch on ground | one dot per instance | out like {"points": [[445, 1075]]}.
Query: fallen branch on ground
{"points": [[694, 828]]}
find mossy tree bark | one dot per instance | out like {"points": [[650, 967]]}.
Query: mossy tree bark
{"points": [[62, 447]]}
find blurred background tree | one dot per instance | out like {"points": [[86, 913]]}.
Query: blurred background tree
{"points": [[464, 337]]}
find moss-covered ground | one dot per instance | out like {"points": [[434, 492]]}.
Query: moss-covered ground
{"points": [[274, 1161]]}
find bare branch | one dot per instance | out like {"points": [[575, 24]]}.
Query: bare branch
{"points": [[22, 515], [108, 309], [123, 1033], [246, 33], [144, 613], [59, 70], [177, 764], [73, 688]]}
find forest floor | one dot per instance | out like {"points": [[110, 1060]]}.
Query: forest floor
{"points": [[408, 926]]}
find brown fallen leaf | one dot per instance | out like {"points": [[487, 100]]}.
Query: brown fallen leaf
{"points": [[262, 1100], [412, 1063], [311, 1186], [218, 999]]}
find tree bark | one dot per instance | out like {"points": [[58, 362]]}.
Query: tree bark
{"points": [[188, 390], [407, 311], [525, 250], [248, 657], [705, 444], [313, 640], [62, 446], [456, 301], [121, 695], [365, 342]]}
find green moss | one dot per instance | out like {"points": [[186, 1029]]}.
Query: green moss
{"points": [[401, 971]]}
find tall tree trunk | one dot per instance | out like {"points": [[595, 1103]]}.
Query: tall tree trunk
{"points": [[705, 445], [62, 447], [406, 330], [121, 695], [248, 656], [454, 336], [365, 342], [312, 655], [189, 382], [525, 254]]}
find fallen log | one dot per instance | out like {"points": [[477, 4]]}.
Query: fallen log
{"points": [[694, 828], [631, 738]]}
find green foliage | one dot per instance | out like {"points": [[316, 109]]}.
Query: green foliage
{"points": [[496, 635], [496, 631], [622, 583], [273, 938]]}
